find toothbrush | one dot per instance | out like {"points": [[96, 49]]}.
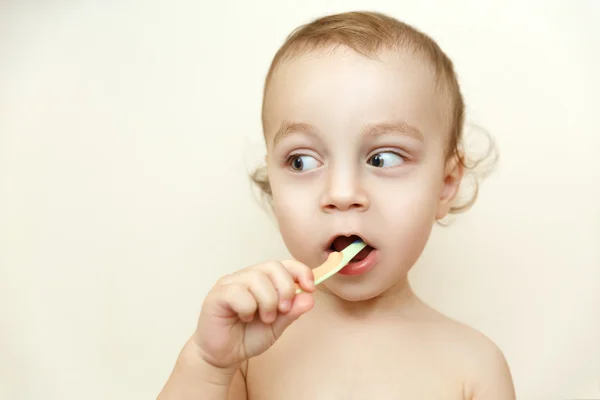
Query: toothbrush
{"points": [[335, 262]]}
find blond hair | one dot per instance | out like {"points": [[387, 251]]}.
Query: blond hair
{"points": [[369, 33]]}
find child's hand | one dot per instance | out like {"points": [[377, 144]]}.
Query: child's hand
{"points": [[246, 312]]}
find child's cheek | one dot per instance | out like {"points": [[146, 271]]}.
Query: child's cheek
{"points": [[403, 207], [295, 213]]}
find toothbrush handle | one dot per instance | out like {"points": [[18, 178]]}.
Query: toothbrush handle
{"points": [[333, 260]]}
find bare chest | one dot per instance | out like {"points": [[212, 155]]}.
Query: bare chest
{"points": [[339, 371]]}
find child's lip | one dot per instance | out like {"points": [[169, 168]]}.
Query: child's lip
{"points": [[329, 243]]}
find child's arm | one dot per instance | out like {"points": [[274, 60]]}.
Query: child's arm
{"points": [[493, 380], [194, 379]]}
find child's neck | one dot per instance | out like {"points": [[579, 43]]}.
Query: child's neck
{"points": [[399, 300]]}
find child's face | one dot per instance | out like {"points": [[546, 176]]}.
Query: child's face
{"points": [[356, 146]]}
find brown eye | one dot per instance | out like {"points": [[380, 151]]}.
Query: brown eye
{"points": [[303, 163], [385, 159], [297, 164], [377, 160]]}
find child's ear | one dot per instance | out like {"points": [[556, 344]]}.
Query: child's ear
{"points": [[452, 177]]}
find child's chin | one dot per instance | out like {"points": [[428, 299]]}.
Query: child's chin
{"points": [[354, 292], [370, 286]]}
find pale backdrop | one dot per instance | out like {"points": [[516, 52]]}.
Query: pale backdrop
{"points": [[126, 133]]}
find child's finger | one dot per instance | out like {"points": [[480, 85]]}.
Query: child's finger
{"points": [[284, 284], [265, 294], [239, 299], [302, 274]]}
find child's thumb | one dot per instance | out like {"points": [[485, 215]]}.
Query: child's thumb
{"points": [[303, 302]]}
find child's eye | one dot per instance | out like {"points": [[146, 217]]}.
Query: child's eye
{"points": [[386, 159], [302, 163]]}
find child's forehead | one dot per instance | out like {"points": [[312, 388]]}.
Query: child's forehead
{"points": [[344, 87], [342, 60]]}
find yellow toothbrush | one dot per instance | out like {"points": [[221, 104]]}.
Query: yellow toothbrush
{"points": [[335, 262]]}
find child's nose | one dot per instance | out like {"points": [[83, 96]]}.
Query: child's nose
{"points": [[344, 192]]}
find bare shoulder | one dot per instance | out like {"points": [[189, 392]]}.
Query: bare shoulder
{"points": [[484, 367], [487, 373]]}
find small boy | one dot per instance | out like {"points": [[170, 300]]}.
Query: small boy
{"points": [[363, 120]]}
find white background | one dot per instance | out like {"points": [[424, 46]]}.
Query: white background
{"points": [[127, 130]]}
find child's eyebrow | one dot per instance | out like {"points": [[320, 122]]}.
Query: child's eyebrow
{"points": [[399, 128], [288, 127]]}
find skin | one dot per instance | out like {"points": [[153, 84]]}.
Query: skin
{"points": [[338, 191], [332, 174]]}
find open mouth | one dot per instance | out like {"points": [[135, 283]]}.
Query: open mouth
{"points": [[341, 242]]}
